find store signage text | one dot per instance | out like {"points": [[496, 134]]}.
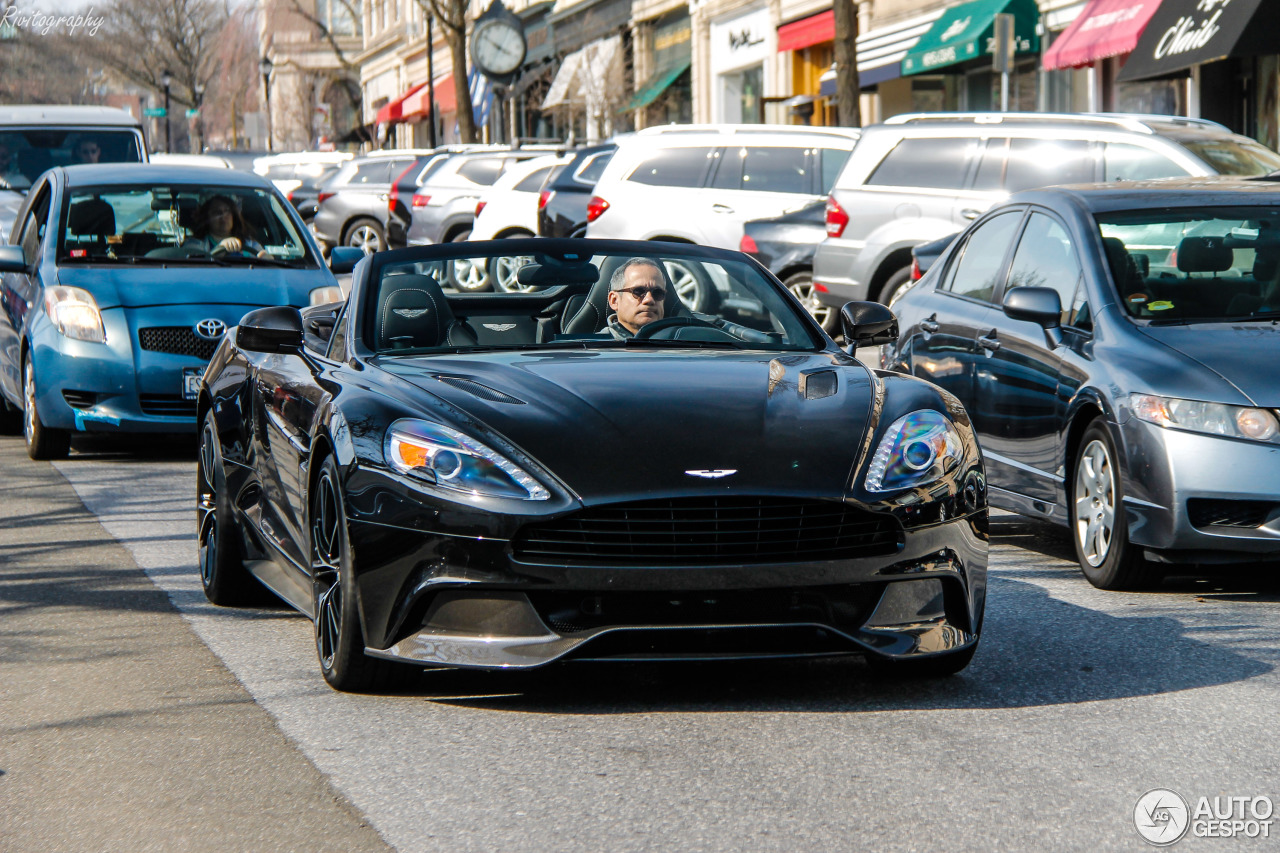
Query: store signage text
{"points": [[1185, 36], [744, 38]]}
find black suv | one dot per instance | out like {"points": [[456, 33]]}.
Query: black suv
{"points": [[562, 205]]}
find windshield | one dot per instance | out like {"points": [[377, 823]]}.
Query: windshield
{"points": [[1242, 157], [176, 224], [640, 296], [26, 154], [1196, 264]]}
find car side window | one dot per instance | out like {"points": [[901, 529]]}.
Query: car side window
{"points": [[990, 174], [33, 227], [1124, 162], [591, 169], [481, 170], [533, 181], [673, 167], [973, 272], [833, 160], [1046, 257], [371, 173], [935, 163], [1048, 162]]}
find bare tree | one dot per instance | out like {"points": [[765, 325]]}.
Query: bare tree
{"points": [[848, 106], [66, 75], [340, 22], [236, 89], [452, 16]]}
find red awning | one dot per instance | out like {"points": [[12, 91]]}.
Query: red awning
{"points": [[418, 106], [1105, 28], [394, 111], [807, 32]]}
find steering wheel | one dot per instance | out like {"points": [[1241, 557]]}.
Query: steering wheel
{"points": [[648, 330]]}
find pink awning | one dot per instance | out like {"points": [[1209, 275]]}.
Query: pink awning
{"points": [[1105, 28], [807, 32]]}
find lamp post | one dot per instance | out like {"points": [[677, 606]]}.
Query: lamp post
{"points": [[265, 67], [198, 91], [431, 80], [166, 80]]}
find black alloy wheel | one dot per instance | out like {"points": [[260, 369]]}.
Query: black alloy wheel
{"points": [[226, 581], [1099, 530], [42, 442], [339, 639]]}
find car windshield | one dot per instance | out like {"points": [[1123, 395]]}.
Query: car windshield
{"points": [[594, 294], [26, 154], [179, 224], [1245, 158], [1195, 264]]}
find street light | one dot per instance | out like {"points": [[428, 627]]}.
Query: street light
{"points": [[166, 80], [198, 91], [265, 67]]}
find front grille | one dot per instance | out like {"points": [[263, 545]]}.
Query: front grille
{"points": [[176, 340], [79, 399], [709, 531], [1206, 512], [167, 404]]}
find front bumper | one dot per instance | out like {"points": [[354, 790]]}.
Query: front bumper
{"points": [[1201, 498]]}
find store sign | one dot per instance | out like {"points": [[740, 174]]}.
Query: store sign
{"points": [[740, 41], [1183, 33], [1192, 32], [672, 43]]}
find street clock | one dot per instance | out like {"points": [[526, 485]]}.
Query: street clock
{"points": [[497, 43]]}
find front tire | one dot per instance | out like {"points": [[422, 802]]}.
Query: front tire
{"points": [[366, 235], [694, 287], [1099, 530], [226, 582], [899, 283], [339, 639], [42, 442]]}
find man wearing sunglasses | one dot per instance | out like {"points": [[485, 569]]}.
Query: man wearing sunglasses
{"points": [[637, 296]]}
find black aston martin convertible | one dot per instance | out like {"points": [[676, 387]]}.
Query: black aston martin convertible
{"points": [[583, 468]]}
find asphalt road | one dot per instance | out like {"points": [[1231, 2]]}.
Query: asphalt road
{"points": [[134, 715]]}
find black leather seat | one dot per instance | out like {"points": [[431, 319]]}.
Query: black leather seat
{"points": [[90, 222], [413, 313]]}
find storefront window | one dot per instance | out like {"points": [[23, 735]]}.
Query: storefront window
{"points": [[1153, 97], [742, 94]]}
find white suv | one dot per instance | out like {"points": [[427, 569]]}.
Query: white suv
{"points": [[700, 183]]}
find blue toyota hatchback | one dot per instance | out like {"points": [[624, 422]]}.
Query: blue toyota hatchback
{"points": [[122, 280]]}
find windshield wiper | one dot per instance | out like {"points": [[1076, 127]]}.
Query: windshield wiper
{"points": [[245, 260], [1258, 317]]}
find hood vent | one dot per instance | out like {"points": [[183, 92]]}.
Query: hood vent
{"points": [[475, 389]]}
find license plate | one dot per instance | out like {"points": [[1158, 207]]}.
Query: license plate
{"points": [[191, 382]]}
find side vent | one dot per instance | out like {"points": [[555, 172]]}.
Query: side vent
{"points": [[819, 384], [475, 389]]}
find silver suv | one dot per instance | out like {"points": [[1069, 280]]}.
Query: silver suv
{"points": [[919, 177], [700, 184]]}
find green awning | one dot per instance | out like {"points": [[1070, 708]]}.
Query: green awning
{"points": [[964, 32], [655, 86]]}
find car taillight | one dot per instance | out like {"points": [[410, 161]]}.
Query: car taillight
{"points": [[420, 200], [746, 244], [320, 199], [915, 269], [290, 196], [480, 206], [544, 197], [596, 207], [837, 219]]}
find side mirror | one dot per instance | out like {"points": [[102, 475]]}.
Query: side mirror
{"points": [[11, 259], [274, 329], [343, 259], [867, 324], [1041, 305]]}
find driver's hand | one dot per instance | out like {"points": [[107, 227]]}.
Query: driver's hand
{"points": [[229, 244]]}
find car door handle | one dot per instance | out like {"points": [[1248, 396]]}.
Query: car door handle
{"points": [[970, 213], [930, 325], [722, 208], [988, 341], [383, 196]]}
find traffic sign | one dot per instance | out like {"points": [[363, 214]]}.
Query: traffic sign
{"points": [[192, 113], [154, 112]]}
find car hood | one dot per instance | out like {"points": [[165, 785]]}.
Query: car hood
{"points": [[140, 287], [632, 424], [1244, 354]]}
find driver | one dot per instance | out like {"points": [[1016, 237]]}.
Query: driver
{"points": [[221, 230], [637, 296]]}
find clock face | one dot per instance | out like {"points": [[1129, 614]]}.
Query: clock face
{"points": [[498, 46]]}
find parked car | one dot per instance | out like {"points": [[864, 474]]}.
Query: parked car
{"points": [[113, 301], [405, 185], [207, 161], [36, 138], [353, 203], [1114, 346], [290, 169], [563, 201], [700, 184], [465, 507], [305, 197], [785, 244], [921, 176], [509, 208]]}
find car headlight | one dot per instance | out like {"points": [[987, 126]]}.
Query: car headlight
{"points": [[325, 295], [916, 449], [1209, 418], [451, 460], [75, 313]]}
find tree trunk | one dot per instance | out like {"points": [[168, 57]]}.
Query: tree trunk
{"points": [[462, 90], [848, 108]]}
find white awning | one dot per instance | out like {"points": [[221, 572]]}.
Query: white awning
{"points": [[584, 75]]}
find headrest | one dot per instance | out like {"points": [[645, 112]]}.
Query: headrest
{"points": [[92, 216], [1204, 254], [554, 275], [414, 313]]}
